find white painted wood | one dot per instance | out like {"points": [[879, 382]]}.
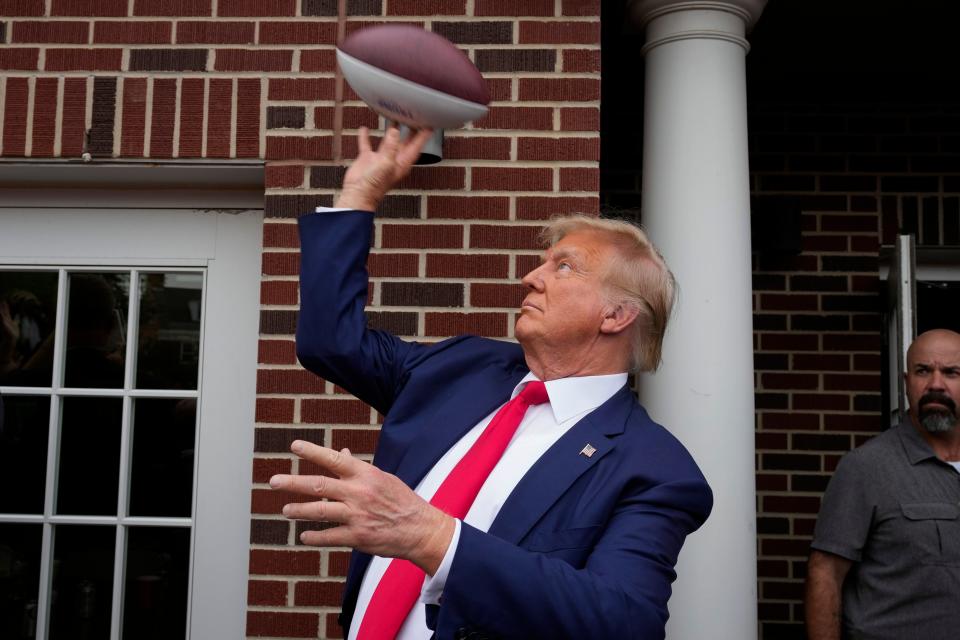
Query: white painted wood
{"points": [[696, 207]]}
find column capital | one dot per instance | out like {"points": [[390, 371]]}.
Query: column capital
{"points": [[643, 11]]}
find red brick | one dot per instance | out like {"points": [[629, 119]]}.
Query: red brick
{"points": [[541, 208], [821, 401], [55, 31], [299, 148], [285, 175], [88, 8], [790, 420], [219, 114], [476, 148], [253, 60], [789, 380], [517, 119], [560, 32], [513, 8], [73, 121], [279, 624], [270, 502], [352, 118], [338, 563], [266, 468], [173, 8], [44, 116], [559, 90], [334, 411], [293, 381], [851, 342], [318, 60], [497, 295], [481, 324], [191, 118], [504, 237], [580, 119], [469, 207], [580, 8], [215, 32], [281, 264], [790, 342], [771, 482], [821, 362], [288, 563], [278, 234], [790, 504], [457, 265], [83, 59], [248, 118], [274, 410], [276, 352], [421, 236], [333, 629], [558, 149], [278, 292], [19, 58], [24, 8], [132, 32], [581, 60], [578, 179], [318, 594], [297, 33], [512, 179], [864, 244], [357, 440], [252, 8], [391, 265], [162, 117], [301, 89], [426, 7], [788, 302], [15, 116], [851, 382], [500, 89], [267, 593], [436, 177]]}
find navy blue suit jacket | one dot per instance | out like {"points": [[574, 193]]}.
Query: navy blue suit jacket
{"points": [[584, 547]]}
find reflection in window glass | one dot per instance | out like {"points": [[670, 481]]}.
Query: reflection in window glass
{"points": [[82, 582], [96, 324], [169, 348], [24, 424], [19, 580], [161, 482], [28, 305], [155, 594], [89, 456]]}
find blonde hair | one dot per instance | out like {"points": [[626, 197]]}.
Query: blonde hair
{"points": [[640, 280]]}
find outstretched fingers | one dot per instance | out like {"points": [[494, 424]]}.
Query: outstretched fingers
{"points": [[412, 147], [339, 463]]}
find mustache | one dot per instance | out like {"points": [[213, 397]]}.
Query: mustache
{"points": [[939, 398]]}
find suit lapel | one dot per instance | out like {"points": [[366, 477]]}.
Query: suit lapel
{"points": [[459, 412], [561, 465]]}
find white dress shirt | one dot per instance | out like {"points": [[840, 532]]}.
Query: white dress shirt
{"points": [[541, 427]]}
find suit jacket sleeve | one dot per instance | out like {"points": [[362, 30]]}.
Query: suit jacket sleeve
{"points": [[333, 339], [620, 592]]}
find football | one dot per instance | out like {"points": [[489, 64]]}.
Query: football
{"points": [[413, 76]]}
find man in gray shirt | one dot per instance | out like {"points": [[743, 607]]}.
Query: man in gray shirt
{"points": [[886, 550]]}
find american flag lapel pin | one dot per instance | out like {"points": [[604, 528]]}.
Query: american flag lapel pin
{"points": [[588, 450]]}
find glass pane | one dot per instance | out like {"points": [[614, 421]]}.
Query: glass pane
{"points": [[161, 482], [19, 580], [82, 582], [24, 424], [28, 307], [89, 456], [155, 594], [96, 322], [169, 349]]}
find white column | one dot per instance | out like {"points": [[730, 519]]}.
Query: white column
{"points": [[696, 207]]}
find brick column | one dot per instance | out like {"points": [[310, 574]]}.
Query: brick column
{"points": [[696, 206]]}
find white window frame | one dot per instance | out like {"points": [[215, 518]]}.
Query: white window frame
{"points": [[177, 216]]}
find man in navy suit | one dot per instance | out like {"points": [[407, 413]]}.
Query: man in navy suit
{"points": [[576, 530]]}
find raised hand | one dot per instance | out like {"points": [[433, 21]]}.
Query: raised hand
{"points": [[376, 171], [376, 511]]}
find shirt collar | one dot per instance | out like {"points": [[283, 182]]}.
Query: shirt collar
{"points": [[916, 447], [570, 397]]}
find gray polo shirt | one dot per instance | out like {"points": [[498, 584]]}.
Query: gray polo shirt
{"points": [[893, 508]]}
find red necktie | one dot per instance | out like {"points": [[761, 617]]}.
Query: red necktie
{"points": [[402, 582]]}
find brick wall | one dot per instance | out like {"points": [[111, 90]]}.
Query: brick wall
{"points": [[859, 174], [255, 79]]}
